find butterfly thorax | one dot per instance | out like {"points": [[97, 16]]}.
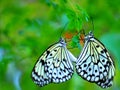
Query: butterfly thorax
{"points": [[62, 41], [89, 36]]}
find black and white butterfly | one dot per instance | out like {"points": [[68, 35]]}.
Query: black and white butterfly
{"points": [[54, 65], [94, 63]]}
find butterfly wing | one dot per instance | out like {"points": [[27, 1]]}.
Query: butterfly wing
{"points": [[38, 73], [59, 67], [95, 64], [108, 64], [53, 66]]}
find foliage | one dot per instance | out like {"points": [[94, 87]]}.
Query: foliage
{"points": [[26, 28]]}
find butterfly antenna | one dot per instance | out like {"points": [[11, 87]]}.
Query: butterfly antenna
{"points": [[63, 29], [92, 24]]}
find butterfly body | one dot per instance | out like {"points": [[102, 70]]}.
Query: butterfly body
{"points": [[94, 63]]}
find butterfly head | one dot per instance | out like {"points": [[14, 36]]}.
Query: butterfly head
{"points": [[89, 36], [62, 41]]}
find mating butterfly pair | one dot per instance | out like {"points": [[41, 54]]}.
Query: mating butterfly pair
{"points": [[94, 64]]}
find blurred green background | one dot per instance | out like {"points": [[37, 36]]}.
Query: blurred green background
{"points": [[26, 27]]}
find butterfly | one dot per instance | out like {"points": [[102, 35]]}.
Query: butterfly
{"points": [[54, 65], [94, 63]]}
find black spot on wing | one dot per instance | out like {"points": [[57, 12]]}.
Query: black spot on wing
{"points": [[103, 60], [97, 46], [95, 70], [108, 63], [47, 52], [100, 67], [89, 69], [105, 50], [51, 54], [55, 50], [64, 59], [92, 55], [85, 65], [42, 62], [102, 51]]}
